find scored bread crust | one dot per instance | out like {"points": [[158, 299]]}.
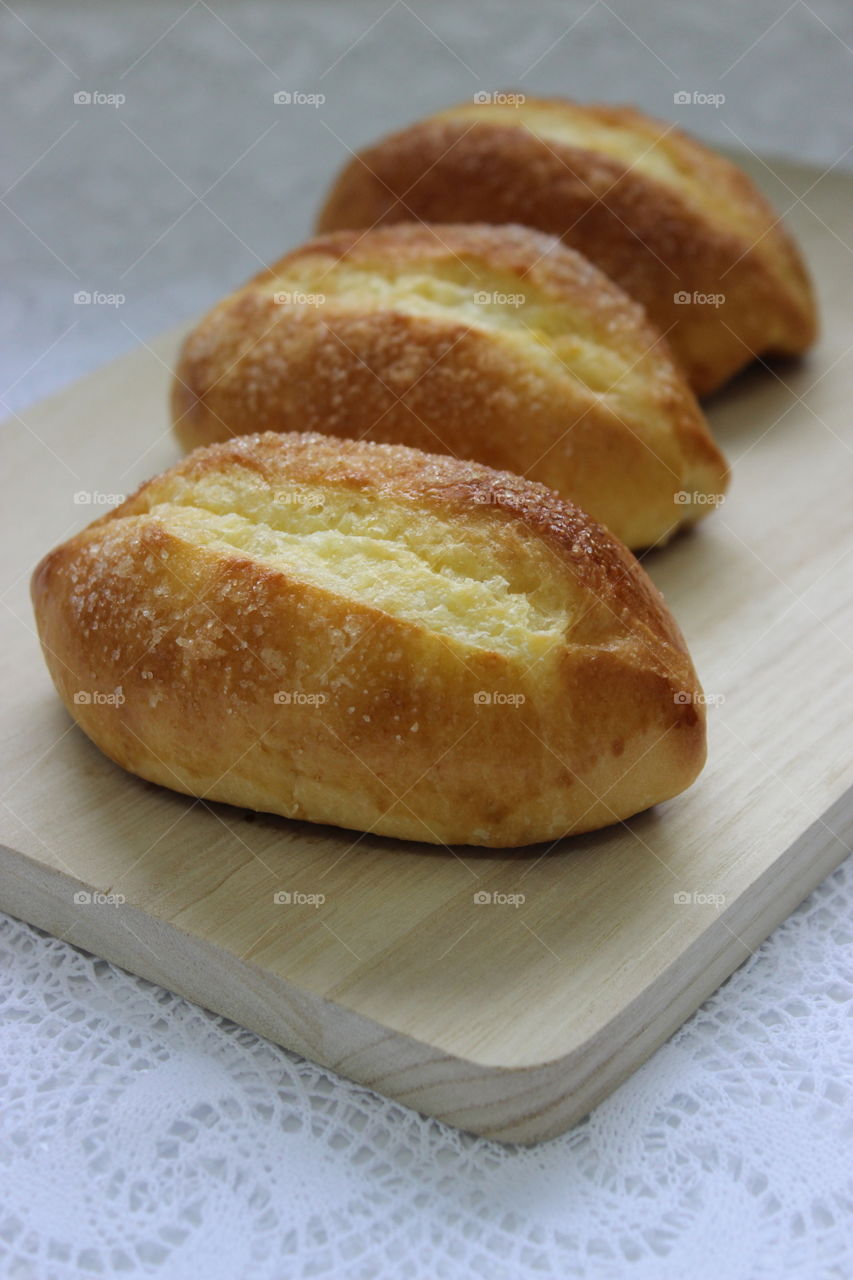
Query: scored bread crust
{"points": [[567, 383], [197, 661], [659, 213]]}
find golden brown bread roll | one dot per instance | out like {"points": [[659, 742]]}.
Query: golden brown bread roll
{"points": [[673, 222], [496, 344], [372, 637]]}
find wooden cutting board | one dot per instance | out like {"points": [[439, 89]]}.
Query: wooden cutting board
{"points": [[511, 1015]]}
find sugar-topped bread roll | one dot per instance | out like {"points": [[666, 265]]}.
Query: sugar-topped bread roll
{"points": [[372, 637], [496, 344], [682, 229]]}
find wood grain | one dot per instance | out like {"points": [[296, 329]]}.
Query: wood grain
{"points": [[507, 1020]]}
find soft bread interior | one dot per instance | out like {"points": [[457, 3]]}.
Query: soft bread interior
{"points": [[465, 291], [455, 578]]}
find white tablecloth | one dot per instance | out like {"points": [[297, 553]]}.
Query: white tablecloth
{"points": [[143, 1136]]}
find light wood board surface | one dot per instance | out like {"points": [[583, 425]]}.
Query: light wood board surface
{"points": [[510, 1020]]}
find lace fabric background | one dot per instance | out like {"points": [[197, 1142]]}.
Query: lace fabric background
{"points": [[142, 1136], [145, 1136]]}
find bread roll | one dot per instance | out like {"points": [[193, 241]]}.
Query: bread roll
{"points": [[496, 344], [372, 637], [681, 229]]}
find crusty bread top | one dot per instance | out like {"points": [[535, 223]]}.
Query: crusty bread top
{"points": [[707, 182], [483, 558], [555, 295], [669, 191], [715, 187], [546, 303]]}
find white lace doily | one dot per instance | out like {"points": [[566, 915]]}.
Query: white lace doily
{"points": [[143, 1136]]}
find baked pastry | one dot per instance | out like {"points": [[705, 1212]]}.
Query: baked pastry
{"points": [[496, 344], [372, 637], [681, 229]]}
